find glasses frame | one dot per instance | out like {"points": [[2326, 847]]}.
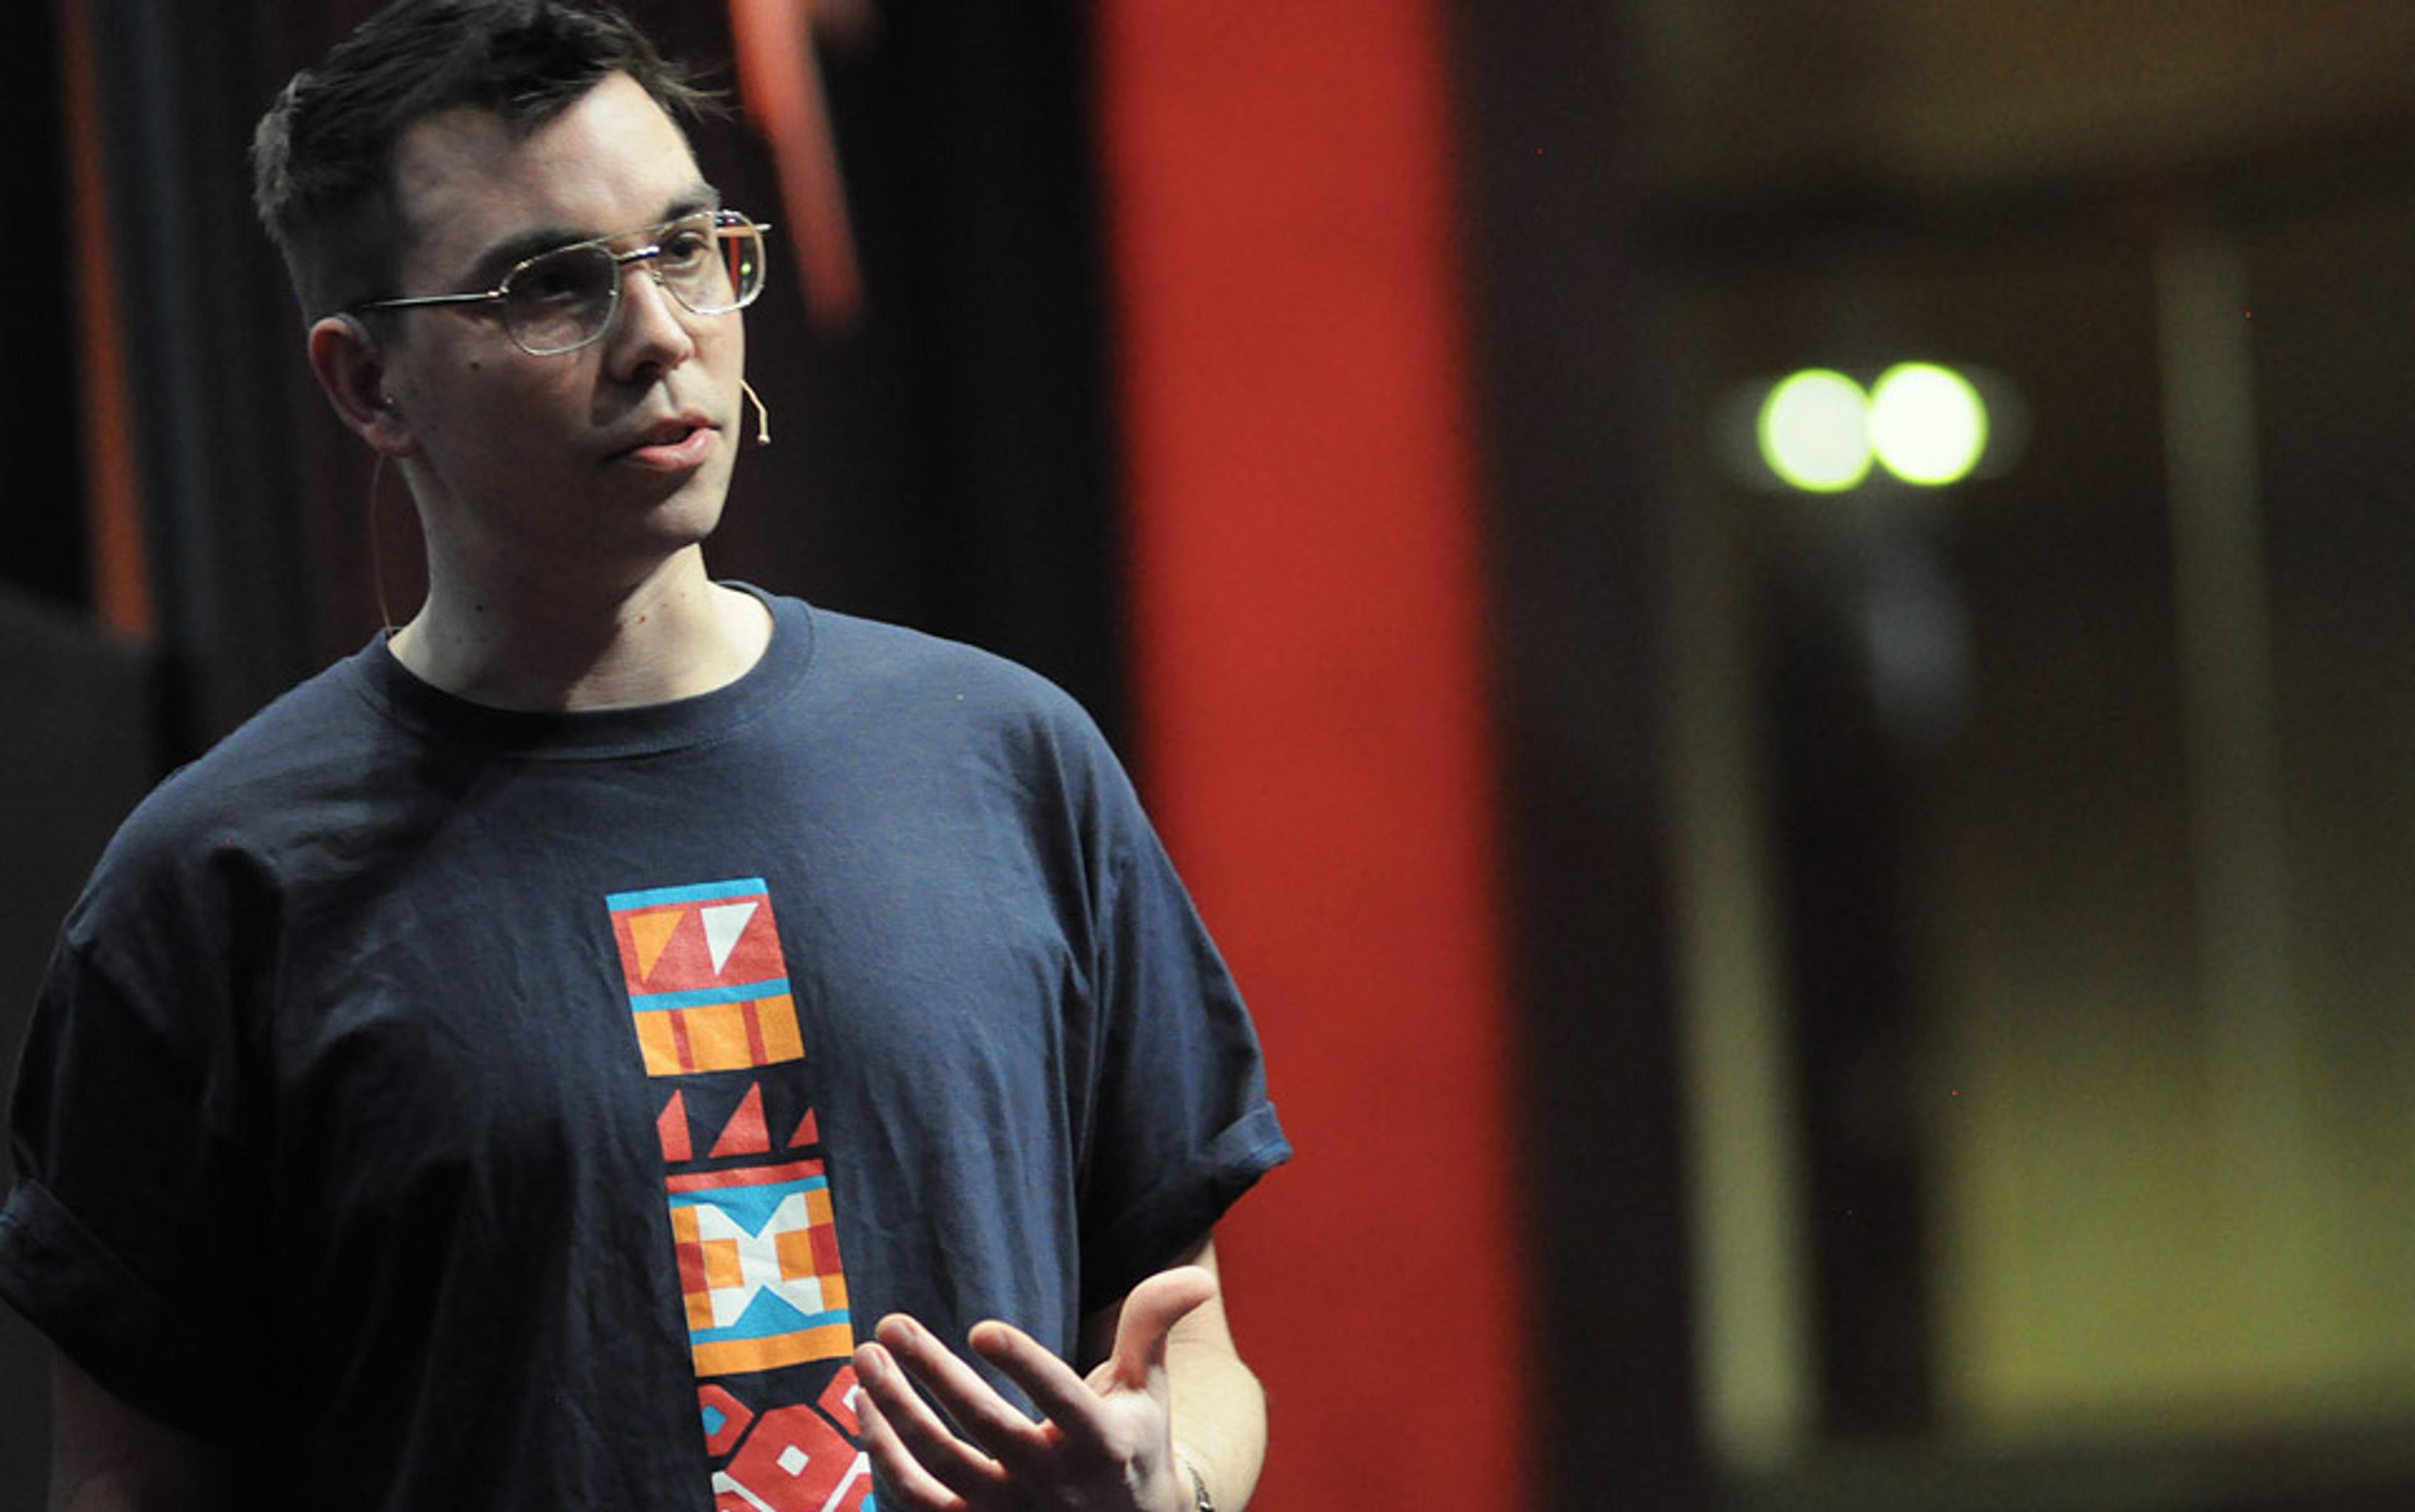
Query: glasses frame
{"points": [[722, 221]]}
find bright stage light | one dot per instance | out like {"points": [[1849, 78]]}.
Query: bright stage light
{"points": [[1926, 423], [1814, 431]]}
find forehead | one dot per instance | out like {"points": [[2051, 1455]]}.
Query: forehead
{"points": [[467, 181]]}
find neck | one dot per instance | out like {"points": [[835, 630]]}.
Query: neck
{"points": [[533, 645]]}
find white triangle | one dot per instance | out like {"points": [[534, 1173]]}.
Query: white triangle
{"points": [[722, 927]]}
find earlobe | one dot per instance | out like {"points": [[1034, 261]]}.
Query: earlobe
{"points": [[352, 370]]}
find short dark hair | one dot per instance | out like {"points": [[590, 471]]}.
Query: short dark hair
{"points": [[321, 158]]}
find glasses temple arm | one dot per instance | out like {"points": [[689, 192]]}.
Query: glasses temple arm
{"points": [[488, 296]]}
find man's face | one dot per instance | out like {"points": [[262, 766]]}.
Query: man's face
{"points": [[598, 462]]}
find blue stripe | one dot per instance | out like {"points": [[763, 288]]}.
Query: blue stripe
{"points": [[746, 992], [758, 1324], [745, 887], [749, 1207], [768, 1316]]}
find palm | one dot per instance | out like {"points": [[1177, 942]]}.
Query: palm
{"points": [[1102, 1443]]}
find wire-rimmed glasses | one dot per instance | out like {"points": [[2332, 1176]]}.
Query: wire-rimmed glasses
{"points": [[710, 262]]}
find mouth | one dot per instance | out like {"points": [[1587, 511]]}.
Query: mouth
{"points": [[671, 445]]}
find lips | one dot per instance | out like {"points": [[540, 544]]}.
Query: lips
{"points": [[680, 441]]}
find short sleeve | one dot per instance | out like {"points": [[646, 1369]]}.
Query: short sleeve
{"points": [[127, 1233], [1183, 1125]]}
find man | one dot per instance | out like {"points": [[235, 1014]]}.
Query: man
{"points": [[509, 1070]]}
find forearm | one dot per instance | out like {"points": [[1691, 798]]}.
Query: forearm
{"points": [[107, 1457], [1218, 1412]]}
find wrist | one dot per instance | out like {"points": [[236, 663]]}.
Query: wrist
{"points": [[1195, 1485]]}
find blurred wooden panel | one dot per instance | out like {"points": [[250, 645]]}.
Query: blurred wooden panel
{"points": [[1911, 93]]}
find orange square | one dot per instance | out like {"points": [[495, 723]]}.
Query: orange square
{"points": [[796, 1250], [781, 1039], [659, 1044], [684, 1225], [716, 1037]]}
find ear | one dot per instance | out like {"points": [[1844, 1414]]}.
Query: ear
{"points": [[351, 367]]}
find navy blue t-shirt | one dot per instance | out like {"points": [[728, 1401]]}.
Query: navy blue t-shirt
{"points": [[444, 1107]]}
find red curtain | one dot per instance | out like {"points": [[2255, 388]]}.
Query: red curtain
{"points": [[1311, 667]]}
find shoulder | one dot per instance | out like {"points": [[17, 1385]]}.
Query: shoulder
{"points": [[315, 729], [897, 670], [918, 706], [878, 653], [271, 776]]}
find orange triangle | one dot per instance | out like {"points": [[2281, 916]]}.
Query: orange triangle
{"points": [[745, 1134], [650, 932], [672, 1126], [808, 1132]]}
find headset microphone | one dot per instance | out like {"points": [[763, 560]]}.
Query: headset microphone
{"points": [[762, 414]]}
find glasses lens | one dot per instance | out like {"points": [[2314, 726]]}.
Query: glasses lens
{"points": [[710, 262], [713, 263], [562, 299]]}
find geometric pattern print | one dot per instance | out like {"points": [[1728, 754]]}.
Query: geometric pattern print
{"points": [[705, 977], [753, 1228], [759, 1266], [800, 1457]]}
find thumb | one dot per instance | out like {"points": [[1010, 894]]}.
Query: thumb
{"points": [[1150, 1314]]}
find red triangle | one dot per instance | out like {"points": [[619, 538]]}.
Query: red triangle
{"points": [[808, 1132], [672, 1126], [745, 1134]]}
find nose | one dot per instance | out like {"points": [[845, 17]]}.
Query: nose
{"points": [[650, 334]]}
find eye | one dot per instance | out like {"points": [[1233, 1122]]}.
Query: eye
{"points": [[686, 248], [572, 276]]}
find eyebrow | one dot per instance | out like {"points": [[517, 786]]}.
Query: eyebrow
{"points": [[518, 247]]}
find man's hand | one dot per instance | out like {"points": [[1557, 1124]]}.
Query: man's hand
{"points": [[1104, 1443]]}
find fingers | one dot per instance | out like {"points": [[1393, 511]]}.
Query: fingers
{"points": [[928, 1465], [1061, 1395], [988, 1419], [1150, 1314], [913, 1484], [1137, 1363], [1095, 1433]]}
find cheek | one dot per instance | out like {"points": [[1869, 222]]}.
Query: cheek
{"points": [[488, 417]]}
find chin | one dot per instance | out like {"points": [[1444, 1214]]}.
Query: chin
{"points": [[680, 521], [691, 505]]}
